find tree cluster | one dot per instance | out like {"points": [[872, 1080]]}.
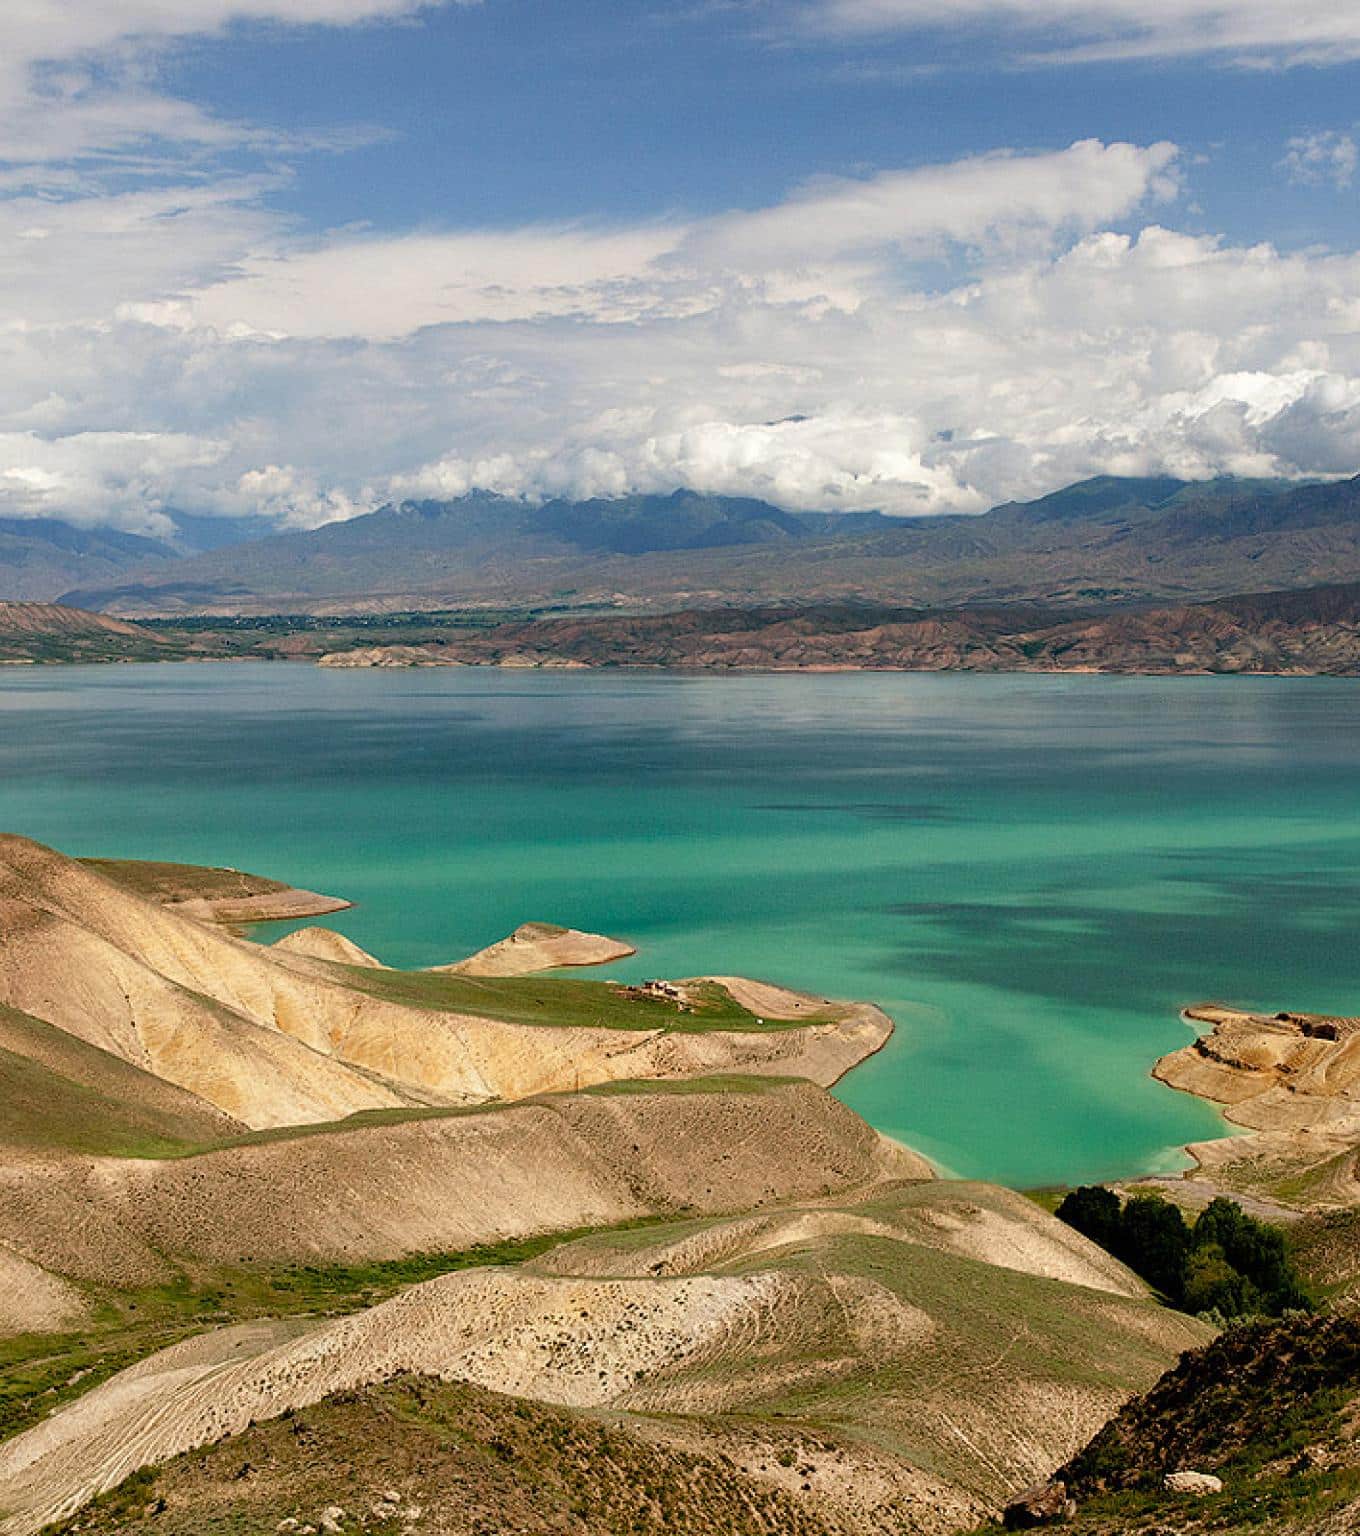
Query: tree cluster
{"points": [[1226, 1262]]}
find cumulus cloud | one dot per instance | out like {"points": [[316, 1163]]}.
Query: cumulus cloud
{"points": [[99, 477], [1329, 156], [1250, 31], [921, 340], [829, 244]]}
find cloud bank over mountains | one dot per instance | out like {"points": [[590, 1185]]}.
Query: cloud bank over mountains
{"points": [[927, 339]]}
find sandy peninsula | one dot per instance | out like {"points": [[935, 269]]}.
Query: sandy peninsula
{"points": [[1290, 1080]]}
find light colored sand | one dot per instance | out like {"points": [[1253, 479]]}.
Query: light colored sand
{"points": [[536, 947], [32, 1301], [327, 944]]}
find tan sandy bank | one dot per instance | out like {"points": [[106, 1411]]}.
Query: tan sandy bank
{"points": [[213, 895], [285, 1035], [1293, 1080]]}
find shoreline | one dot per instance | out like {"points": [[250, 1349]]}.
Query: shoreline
{"points": [[660, 669]]}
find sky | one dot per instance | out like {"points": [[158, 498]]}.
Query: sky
{"points": [[298, 258]]}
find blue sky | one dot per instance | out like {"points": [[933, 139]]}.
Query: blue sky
{"points": [[520, 110], [296, 257]]}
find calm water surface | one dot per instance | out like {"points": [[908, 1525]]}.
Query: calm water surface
{"points": [[1031, 874]]}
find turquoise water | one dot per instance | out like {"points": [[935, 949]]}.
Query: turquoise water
{"points": [[1031, 874]]}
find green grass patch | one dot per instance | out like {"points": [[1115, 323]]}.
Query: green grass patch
{"points": [[44, 1109], [732, 1082], [1049, 1198], [158, 880], [560, 1003]]}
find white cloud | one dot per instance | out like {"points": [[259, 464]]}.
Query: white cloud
{"points": [[1329, 156], [100, 477], [78, 80], [999, 201], [385, 287], [177, 347], [1304, 31], [827, 245]]}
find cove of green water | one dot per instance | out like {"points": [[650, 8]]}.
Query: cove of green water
{"points": [[1031, 874]]}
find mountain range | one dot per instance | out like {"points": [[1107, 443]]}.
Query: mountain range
{"points": [[1101, 541], [41, 557]]}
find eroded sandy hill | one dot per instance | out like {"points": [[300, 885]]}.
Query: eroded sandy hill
{"points": [[326, 944], [977, 1375], [437, 1184], [280, 1037], [536, 947], [57, 619]]}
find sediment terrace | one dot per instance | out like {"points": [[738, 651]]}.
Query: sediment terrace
{"points": [[1292, 1080]]}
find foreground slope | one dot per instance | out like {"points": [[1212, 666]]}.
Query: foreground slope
{"points": [[1270, 1411], [867, 1321], [449, 1459]]}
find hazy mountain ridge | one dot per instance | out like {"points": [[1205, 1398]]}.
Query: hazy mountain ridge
{"points": [[42, 557], [1102, 540]]}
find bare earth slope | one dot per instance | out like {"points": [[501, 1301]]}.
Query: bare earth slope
{"points": [[867, 1321], [377, 1191], [36, 632], [276, 1037]]}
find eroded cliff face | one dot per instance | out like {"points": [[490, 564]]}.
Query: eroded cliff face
{"points": [[1293, 1081], [1308, 632]]}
